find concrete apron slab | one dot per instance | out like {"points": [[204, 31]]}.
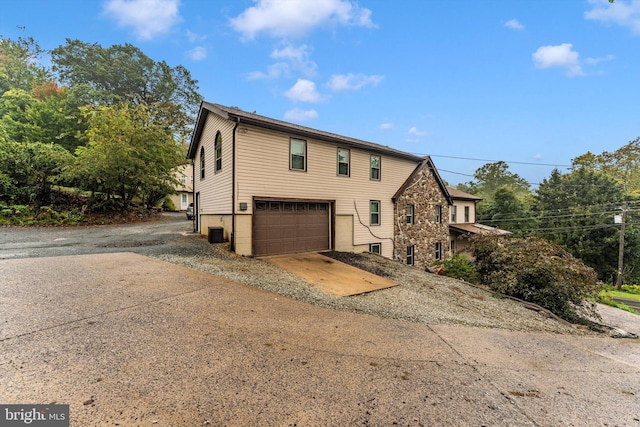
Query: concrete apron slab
{"points": [[333, 277]]}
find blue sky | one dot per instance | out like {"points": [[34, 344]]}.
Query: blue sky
{"points": [[531, 82]]}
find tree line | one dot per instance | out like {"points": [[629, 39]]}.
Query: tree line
{"points": [[575, 209], [107, 121]]}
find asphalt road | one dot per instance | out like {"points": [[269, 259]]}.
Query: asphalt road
{"points": [[631, 303], [130, 340], [143, 238]]}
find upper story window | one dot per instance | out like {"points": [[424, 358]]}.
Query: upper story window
{"points": [[375, 168], [409, 211], [218, 149], [201, 162], [343, 161], [454, 213], [374, 212], [183, 179], [298, 154], [466, 214], [438, 214]]}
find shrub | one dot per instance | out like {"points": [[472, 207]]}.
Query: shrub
{"points": [[540, 272], [459, 267], [168, 205]]}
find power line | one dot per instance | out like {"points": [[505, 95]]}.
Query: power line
{"points": [[496, 161]]}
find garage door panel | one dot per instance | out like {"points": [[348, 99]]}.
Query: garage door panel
{"points": [[287, 227]]}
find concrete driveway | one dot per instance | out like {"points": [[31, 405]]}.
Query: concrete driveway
{"points": [[129, 340]]}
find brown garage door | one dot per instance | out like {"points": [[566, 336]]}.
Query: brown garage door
{"points": [[289, 227]]}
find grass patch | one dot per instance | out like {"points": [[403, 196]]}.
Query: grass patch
{"points": [[607, 300], [621, 295]]}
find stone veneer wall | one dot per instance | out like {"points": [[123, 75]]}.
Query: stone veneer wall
{"points": [[424, 194]]}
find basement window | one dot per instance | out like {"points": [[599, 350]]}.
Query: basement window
{"points": [[375, 248], [410, 255]]}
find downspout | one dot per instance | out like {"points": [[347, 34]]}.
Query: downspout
{"points": [[233, 186], [194, 220]]}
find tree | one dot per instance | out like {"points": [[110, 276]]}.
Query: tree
{"points": [[123, 73], [19, 64], [29, 169], [622, 165], [537, 271], [508, 212], [128, 155], [48, 115], [491, 176], [576, 211]]}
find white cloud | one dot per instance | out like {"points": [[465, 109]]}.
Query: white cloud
{"points": [[538, 156], [298, 115], [416, 132], [298, 58], [617, 13], [193, 37], [274, 71], [304, 91], [148, 18], [560, 56], [295, 18], [386, 126], [596, 61], [198, 53], [341, 82], [514, 24]]}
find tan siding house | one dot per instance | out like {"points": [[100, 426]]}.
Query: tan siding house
{"points": [[279, 188], [463, 222], [184, 190]]}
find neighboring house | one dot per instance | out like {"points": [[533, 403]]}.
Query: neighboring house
{"points": [[276, 187], [463, 223], [184, 190]]}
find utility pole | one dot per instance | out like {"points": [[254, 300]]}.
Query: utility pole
{"points": [[621, 247]]}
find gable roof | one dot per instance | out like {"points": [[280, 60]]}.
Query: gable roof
{"points": [[244, 117], [426, 162], [461, 195]]}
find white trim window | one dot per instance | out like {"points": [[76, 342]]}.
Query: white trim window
{"points": [[454, 213], [409, 209], [375, 248], [438, 214], [438, 251], [411, 255]]}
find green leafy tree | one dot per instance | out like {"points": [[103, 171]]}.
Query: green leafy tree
{"points": [[491, 176], [576, 210], [537, 271], [488, 179], [128, 155], [20, 66], [123, 73], [622, 165], [28, 170], [508, 212]]}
